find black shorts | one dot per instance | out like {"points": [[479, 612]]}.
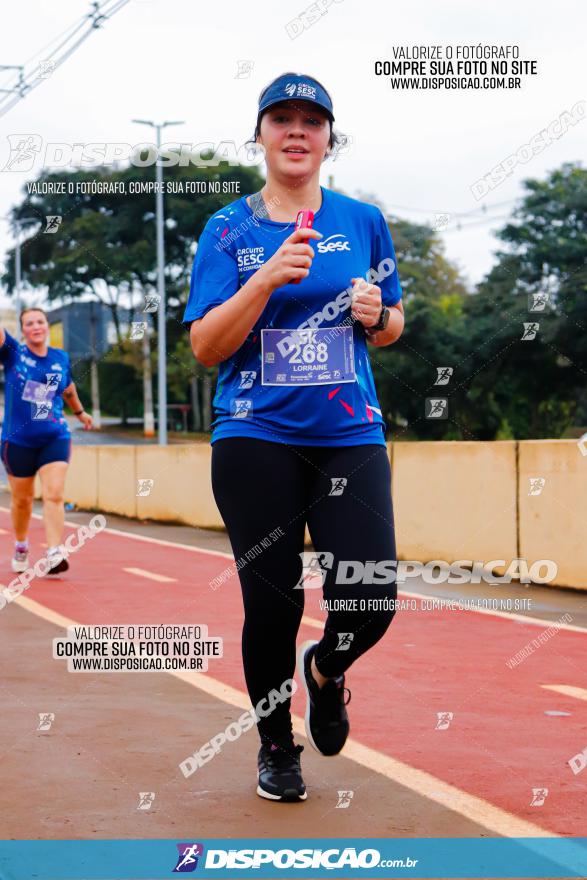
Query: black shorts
{"points": [[25, 461]]}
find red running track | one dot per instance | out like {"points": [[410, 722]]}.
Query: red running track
{"points": [[500, 744]]}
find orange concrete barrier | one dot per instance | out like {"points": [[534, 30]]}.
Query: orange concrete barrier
{"points": [[455, 500], [176, 485], [452, 500], [553, 507]]}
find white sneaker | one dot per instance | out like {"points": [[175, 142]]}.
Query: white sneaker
{"points": [[20, 560]]}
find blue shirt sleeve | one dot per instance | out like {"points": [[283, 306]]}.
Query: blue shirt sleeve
{"points": [[8, 351], [214, 278], [383, 260]]}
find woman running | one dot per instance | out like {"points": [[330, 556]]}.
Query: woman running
{"points": [[35, 435], [298, 435]]}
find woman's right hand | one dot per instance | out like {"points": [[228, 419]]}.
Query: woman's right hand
{"points": [[292, 261]]}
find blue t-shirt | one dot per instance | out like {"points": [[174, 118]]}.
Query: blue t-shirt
{"points": [[33, 406], [257, 395]]}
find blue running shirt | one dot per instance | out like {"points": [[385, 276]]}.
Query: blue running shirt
{"points": [[337, 404], [33, 406]]}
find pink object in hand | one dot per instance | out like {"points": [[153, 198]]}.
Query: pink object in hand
{"points": [[304, 220]]}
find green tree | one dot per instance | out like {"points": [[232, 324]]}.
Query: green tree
{"points": [[434, 335], [105, 247], [533, 387]]}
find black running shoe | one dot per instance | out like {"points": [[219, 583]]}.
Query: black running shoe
{"points": [[280, 774], [327, 722], [57, 562]]}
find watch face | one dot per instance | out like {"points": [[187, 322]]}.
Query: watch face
{"points": [[384, 319]]}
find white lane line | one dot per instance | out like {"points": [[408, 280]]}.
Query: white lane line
{"points": [[508, 615], [150, 540], [521, 618], [44, 612], [567, 690], [150, 575], [422, 783], [313, 621], [163, 543], [474, 809]]}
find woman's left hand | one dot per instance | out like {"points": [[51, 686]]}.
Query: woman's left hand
{"points": [[86, 420], [366, 302]]}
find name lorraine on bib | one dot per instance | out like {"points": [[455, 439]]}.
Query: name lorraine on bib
{"points": [[303, 374]]}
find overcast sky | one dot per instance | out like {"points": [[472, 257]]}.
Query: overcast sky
{"points": [[419, 152]]}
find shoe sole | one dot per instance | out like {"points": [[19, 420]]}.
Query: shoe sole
{"points": [[301, 672], [290, 794], [62, 565]]}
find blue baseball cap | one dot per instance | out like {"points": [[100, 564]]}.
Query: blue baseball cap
{"points": [[296, 87]]}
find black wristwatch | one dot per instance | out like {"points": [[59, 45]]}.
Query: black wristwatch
{"points": [[383, 320]]}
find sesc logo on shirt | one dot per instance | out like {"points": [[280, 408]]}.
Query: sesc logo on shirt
{"points": [[336, 242], [249, 259]]}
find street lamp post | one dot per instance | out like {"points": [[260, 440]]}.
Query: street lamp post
{"points": [[161, 330]]}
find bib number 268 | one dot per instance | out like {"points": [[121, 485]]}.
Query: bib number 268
{"points": [[305, 349], [308, 356]]}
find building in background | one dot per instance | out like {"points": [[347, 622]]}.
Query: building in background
{"points": [[86, 331], [80, 328]]}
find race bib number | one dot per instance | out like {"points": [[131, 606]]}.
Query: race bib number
{"points": [[322, 356], [37, 391]]}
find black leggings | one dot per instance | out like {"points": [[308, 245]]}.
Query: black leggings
{"points": [[266, 492]]}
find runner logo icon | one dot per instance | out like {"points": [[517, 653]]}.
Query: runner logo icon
{"points": [[42, 410], [247, 378], [52, 380], [344, 641], [338, 485], [241, 408], [315, 564], [189, 854]]}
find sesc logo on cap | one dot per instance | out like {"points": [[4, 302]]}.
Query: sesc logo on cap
{"points": [[300, 87], [300, 90]]}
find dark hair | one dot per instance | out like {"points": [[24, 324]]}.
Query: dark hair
{"points": [[33, 309], [336, 139]]}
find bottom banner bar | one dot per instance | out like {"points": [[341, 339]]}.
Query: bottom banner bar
{"points": [[539, 857]]}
